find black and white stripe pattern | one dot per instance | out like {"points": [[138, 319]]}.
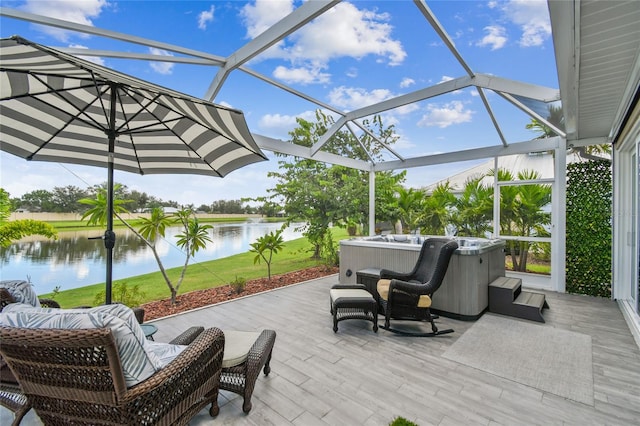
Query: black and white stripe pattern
{"points": [[56, 107]]}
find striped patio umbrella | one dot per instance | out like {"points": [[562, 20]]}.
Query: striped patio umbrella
{"points": [[58, 107]]}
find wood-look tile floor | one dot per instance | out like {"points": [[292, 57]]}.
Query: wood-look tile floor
{"points": [[357, 377]]}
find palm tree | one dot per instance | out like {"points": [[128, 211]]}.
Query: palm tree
{"points": [[436, 210], [556, 117], [11, 231], [531, 219], [409, 202], [474, 208], [191, 240], [151, 231], [194, 237], [97, 213], [272, 243], [522, 213]]}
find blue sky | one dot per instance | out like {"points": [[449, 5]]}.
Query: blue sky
{"points": [[373, 51]]}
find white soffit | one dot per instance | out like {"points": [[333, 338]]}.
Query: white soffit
{"points": [[597, 47]]}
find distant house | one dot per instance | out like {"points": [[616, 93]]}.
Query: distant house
{"points": [[168, 210], [540, 162]]}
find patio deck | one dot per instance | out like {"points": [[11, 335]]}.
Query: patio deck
{"points": [[356, 377]]}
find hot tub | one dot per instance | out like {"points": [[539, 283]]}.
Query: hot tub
{"points": [[464, 294]]}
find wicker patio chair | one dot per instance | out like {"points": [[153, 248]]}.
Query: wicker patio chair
{"points": [[76, 377], [6, 298], [241, 378], [407, 296], [11, 397]]}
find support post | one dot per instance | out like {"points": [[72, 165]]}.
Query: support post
{"points": [[372, 202], [496, 200], [559, 219]]}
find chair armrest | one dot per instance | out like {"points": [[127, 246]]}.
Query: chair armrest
{"points": [[195, 372], [49, 303], [139, 313], [391, 275], [406, 287], [187, 336], [258, 354]]}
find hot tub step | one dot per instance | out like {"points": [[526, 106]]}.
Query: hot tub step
{"points": [[506, 297], [502, 292], [529, 306]]}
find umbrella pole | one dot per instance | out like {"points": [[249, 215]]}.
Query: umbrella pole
{"points": [[109, 235]]}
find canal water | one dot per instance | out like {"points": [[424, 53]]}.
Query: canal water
{"points": [[74, 261]]}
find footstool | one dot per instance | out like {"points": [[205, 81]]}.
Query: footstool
{"points": [[353, 301], [245, 354]]}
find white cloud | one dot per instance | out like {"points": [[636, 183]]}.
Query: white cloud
{"points": [[354, 33], [301, 75], [496, 37], [164, 68], [277, 121], [533, 18], [406, 82], [225, 104], [405, 109], [282, 124], [262, 14], [205, 17], [351, 98], [446, 115], [95, 59], [78, 11]]}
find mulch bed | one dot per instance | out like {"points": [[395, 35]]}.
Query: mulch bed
{"points": [[199, 298]]}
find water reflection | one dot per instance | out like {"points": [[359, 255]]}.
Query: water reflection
{"points": [[72, 247], [74, 261]]}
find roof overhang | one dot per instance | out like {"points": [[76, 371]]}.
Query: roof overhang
{"points": [[597, 47]]}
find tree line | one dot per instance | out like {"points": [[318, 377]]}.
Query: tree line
{"points": [[66, 199]]}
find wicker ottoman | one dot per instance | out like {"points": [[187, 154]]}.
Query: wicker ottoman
{"points": [[353, 301]]}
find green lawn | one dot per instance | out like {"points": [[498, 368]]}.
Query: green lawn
{"points": [[535, 268], [295, 256]]}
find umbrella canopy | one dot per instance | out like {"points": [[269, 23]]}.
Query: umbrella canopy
{"points": [[58, 107]]}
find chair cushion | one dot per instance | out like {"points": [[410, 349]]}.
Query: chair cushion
{"points": [[138, 358], [166, 352], [383, 290], [347, 293], [21, 291], [424, 301], [237, 345]]}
